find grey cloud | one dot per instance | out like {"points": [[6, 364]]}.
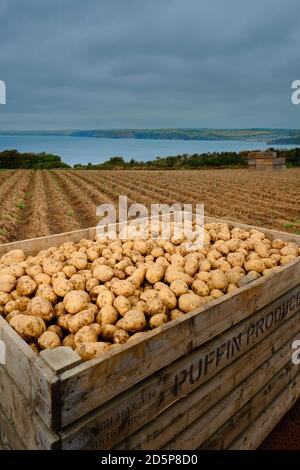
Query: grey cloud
{"points": [[132, 63]]}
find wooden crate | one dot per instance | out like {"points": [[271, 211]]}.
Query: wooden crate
{"points": [[220, 377]]}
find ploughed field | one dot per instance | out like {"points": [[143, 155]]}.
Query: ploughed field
{"points": [[39, 203]]}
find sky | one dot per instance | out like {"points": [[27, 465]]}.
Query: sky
{"points": [[93, 64]]}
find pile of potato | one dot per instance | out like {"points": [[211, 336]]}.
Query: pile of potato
{"points": [[92, 295]]}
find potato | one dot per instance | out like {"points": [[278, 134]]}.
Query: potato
{"points": [[200, 288], [214, 255], [255, 265], [124, 288], [172, 275], [287, 259], [40, 307], [216, 293], [140, 246], [137, 276], [239, 233], [235, 259], [233, 276], [42, 278], [108, 315], [278, 244], [232, 288], [28, 326], [4, 298], [92, 254], [205, 266], [59, 309], [33, 270], [62, 286], [76, 301], [46, 291], [267, 272], [106, 297], [93, 308], [103, 273], [261, 249], [122, 304], [63, 321], [78, 260], [275, 257], [13, 257], [219, 279], [203, 276], [87, 334], [155, 273], [168, 297], [11, 314], [140, 305], [7, 283], [34, 348], [289, 249], [108, 331], [56, 329], [120, 337], [188, 302], [268, 262], [158, 320], [250, 277], [49, 340], [69, 271], [78, 281], [21, 303], [26, 286], [154, 303], [15, 270], [15, 295], [90, 283], [233, 244], [10, 307], [254, 233], [179, 287], [191, 267], [175, 313], [69, 341], [157, 251], [52, 266], [90, 350], [132, 322], [222, 247], [77, 321]]}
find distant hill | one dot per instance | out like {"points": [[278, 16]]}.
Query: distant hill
{"points": [[270, 136]]}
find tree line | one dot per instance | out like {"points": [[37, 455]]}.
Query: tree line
{"points": [[185, 161], [12, 159]]}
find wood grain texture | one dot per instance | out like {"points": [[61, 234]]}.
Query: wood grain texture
{"points": [[25, 423], [273, 351], [268, 419], [30, 373], [8, 438], [264, 380]]}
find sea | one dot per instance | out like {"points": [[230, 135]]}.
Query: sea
{"points": [[93, 150]]}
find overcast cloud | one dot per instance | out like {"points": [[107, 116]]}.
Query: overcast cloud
{"points": [[149, 63]]}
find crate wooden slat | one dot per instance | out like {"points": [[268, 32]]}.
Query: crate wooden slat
{"points": [[273, 350], [151, 392], [266, 421]]}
